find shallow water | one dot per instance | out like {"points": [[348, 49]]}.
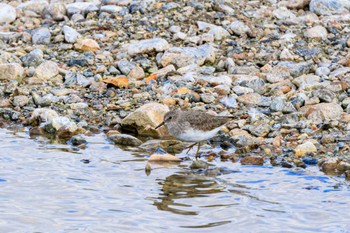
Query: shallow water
{"points": [[58, 188]]}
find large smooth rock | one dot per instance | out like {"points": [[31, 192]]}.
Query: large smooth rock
{"points": [[11, 71], [46, 70], [148, 46], [326, 7], [321, 112], [184, 56], [305, 148], [145, 119], [7, 13]]}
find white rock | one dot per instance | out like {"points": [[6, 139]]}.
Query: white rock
{"points": [[111, 9], [148, 46], [59, 122], [45, 115], [70, 34], [7, 13], [238, 28]]}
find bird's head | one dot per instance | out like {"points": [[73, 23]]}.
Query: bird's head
{"points": [[169, 117]]}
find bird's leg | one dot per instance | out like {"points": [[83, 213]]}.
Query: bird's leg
{"points": [[199, 146], [190, 147]]}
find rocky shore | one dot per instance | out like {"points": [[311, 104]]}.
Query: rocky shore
{"points": [[69, 69]]}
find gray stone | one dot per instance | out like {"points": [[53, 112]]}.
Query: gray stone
{"points": [[326, 7], [116, 2], [297, 69], [56, 11], [77, 140], [238, 28], [20, 101], [7, 13], [218, 32], [41, 36], [322, 71], [125, 140], [46, 70], [70, 34], [253, 82], [242, 90], [148, 46], [316, 32], [112, 9], [260, 129], [125, 66], [184, 56], [34, 58], [307, 82], [277, 74], [278, 103], [36, 6], [207, 98], [81, 8], [325, 95], [11, 71]]}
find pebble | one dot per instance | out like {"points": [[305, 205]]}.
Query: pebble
{"points": [[7, 13], [70, 34], [148, 46], [41, 36]]}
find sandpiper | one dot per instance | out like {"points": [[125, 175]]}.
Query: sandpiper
{"points": [[193, 126]]}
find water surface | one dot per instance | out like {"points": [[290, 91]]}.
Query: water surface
{"points": [[49, 187]]}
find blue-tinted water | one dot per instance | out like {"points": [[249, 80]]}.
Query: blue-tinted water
{"points": [[54, 188]]}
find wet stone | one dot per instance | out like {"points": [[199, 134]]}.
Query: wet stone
{"points": [[125, 140], [252, 160], [77, 140]]}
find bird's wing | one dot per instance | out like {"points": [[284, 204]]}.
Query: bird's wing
{"points": [[204, 121]]}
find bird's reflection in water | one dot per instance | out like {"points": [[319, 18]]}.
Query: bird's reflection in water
{"points": [[185, 185], [190, 184]]}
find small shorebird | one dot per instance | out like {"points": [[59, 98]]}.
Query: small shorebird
{"points": [[193, 126]]}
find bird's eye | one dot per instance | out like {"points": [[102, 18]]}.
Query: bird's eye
{"points": [[170, 118]]}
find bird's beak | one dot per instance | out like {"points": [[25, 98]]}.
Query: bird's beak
{"points": [[161, 124]]}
